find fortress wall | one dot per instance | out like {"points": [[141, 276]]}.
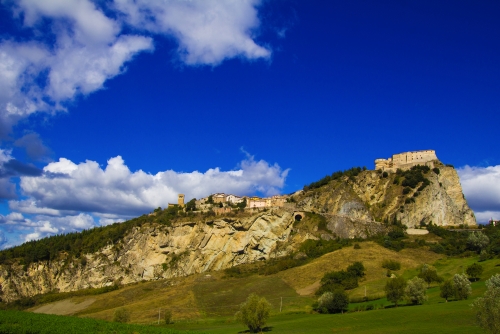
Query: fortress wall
{"points": [[407, 160]]}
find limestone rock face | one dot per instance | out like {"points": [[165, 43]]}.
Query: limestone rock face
{"points": [[154, 252], [357, 206]]}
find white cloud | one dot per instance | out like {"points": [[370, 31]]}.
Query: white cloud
{"points": [[481, 186], [83, 46], [115, 190], [208, 31], [87, 50]]}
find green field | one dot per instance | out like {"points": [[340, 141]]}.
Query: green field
{"points": [[30, 323]]}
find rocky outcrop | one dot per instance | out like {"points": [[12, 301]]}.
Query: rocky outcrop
{"points": [[154, 251], [355, 206]]}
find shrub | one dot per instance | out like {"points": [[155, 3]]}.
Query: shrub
{"points": [[254, 313], [121, 315], [357, 246], [415, 290], [436, 170], [391, 264]]}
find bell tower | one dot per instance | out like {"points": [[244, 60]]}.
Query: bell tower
{"points": [[180, 200]]}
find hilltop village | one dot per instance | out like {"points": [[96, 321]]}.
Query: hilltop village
{"points": [[221, 203]]}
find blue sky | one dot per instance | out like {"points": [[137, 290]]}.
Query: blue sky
{"points": [[108, 109]]}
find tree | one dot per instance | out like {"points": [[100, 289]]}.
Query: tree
{"points": [[395, 289], [488, 306], [474, 271], [333, 302], [416, 290], [356, 269], [447, 290], [429, 274], [462, 286], [191, 205], [477, 241], [254, 313], [121, 315]]}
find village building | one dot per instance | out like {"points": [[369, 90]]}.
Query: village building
{"points": [[233, 199], [219, 198]]}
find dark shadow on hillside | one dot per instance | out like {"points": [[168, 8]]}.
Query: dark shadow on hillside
{"points": [[265, 329]]}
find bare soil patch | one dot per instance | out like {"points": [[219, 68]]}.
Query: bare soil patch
{"points": [[64, 307]]}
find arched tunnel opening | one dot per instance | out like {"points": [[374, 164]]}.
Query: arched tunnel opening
{"points": [[298, 218]]}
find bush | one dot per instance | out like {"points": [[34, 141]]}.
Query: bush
{"points": [[357, 246], [416, 291], [254, 313], [333, 302], [436, 170], [395, 289], [121, 315], [391, 264]]}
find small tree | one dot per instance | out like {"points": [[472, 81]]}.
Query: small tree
{"points": [[477, 241], [416, 291], [168, 317], [474, 271], [429, 274], [395, 289], [121, 315], [462, 286], [333, 302], [356, 269], [447, 290], [488, 306], [254, 313]]}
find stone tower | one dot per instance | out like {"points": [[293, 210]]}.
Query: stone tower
{"points": [[180, 200]]}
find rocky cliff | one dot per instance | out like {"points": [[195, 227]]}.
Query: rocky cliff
{"points": [[153, 251], [348, 207], [355, 206]]}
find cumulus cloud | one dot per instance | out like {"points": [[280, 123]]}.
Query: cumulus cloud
{"points": [[77, 45], [118, 192], [87, 49], [481, 186], [42, 226], [207, 31]]}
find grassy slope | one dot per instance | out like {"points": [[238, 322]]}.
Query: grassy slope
{"points": [[208, 301]]}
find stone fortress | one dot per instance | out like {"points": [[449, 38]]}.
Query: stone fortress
{"points": [[406, 160]]}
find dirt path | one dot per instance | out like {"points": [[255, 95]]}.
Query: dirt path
{"points": [[310, 289], [64, 307]]}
